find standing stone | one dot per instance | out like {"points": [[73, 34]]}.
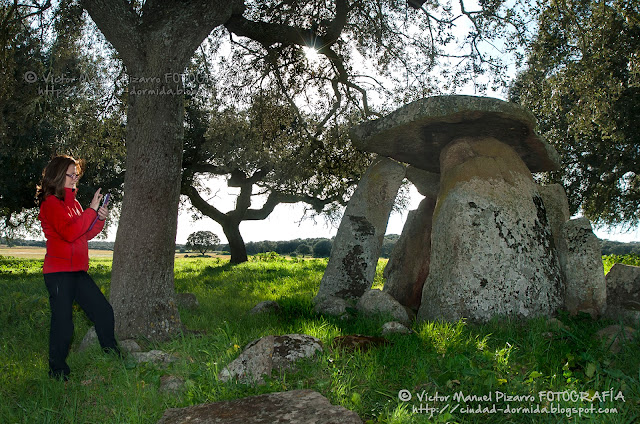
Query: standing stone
{"points": [[492, 248], [623, 293], [427, 183], [408, 265], [356, 249], [557, 207], [581, 262]]}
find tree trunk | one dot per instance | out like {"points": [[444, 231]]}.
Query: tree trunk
{"points": [[236, 242], [142, 286], [155, 43]]}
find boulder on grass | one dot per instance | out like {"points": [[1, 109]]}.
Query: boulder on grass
{"points": [[294, 407], [156, 357], [269, 353], [333, 306], [376, 302], [394, 327], [623, 293]]}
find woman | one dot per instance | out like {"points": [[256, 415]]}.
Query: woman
{"points": [[67, 230]]}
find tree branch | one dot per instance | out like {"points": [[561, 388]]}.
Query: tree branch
{"points": [[202, 205], [276, 198], [119, 23]]}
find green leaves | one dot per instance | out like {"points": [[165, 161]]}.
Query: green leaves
{"points": [[582, 83]]}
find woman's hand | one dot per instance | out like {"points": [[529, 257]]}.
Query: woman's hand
{"points": [[103, 212], [95, 202]]}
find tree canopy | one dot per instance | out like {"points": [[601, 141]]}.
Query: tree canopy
{"points": [[53, 102], [202, 241], [583, 84]]}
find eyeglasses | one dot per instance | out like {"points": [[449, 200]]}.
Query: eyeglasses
{"points": [[73, 176]]}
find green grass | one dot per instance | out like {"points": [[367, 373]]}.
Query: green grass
{"points": [[610, 260], [501, 358]]}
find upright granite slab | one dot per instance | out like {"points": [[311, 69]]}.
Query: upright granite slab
{"points": [[557, 206], [581, 261], [408, 265], [492, 248], [356, 248]]}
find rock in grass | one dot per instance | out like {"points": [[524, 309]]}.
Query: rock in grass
{"points": [[266, 307], [297, 406], [90, 339], [171, 384], [269, 353], [376, 302], [359, 342], [333, 306], [154, 356], [130, 346], [615, 336], [394, 327]]}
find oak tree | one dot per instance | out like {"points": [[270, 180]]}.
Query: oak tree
{"points": [[202, 241], [52, 101], [583, 84]]}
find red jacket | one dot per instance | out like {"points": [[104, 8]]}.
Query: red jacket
{"points": [[66, 227]]}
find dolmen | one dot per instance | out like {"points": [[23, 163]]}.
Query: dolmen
{"points": [[487, 240]]}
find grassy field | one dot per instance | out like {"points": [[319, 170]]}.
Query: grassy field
{"points": [[32, 252], [536, 364]]}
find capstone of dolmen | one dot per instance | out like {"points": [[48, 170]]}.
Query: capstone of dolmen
{"points": [[417, 132], [356, 248], [581, 262], [492, 248], [623, 293]]}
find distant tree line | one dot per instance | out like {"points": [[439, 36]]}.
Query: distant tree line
{"points": [[315, 247], [318, 247], [617, 248]]}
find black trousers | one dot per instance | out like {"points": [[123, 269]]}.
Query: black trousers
{"points": [[64, 288]]}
